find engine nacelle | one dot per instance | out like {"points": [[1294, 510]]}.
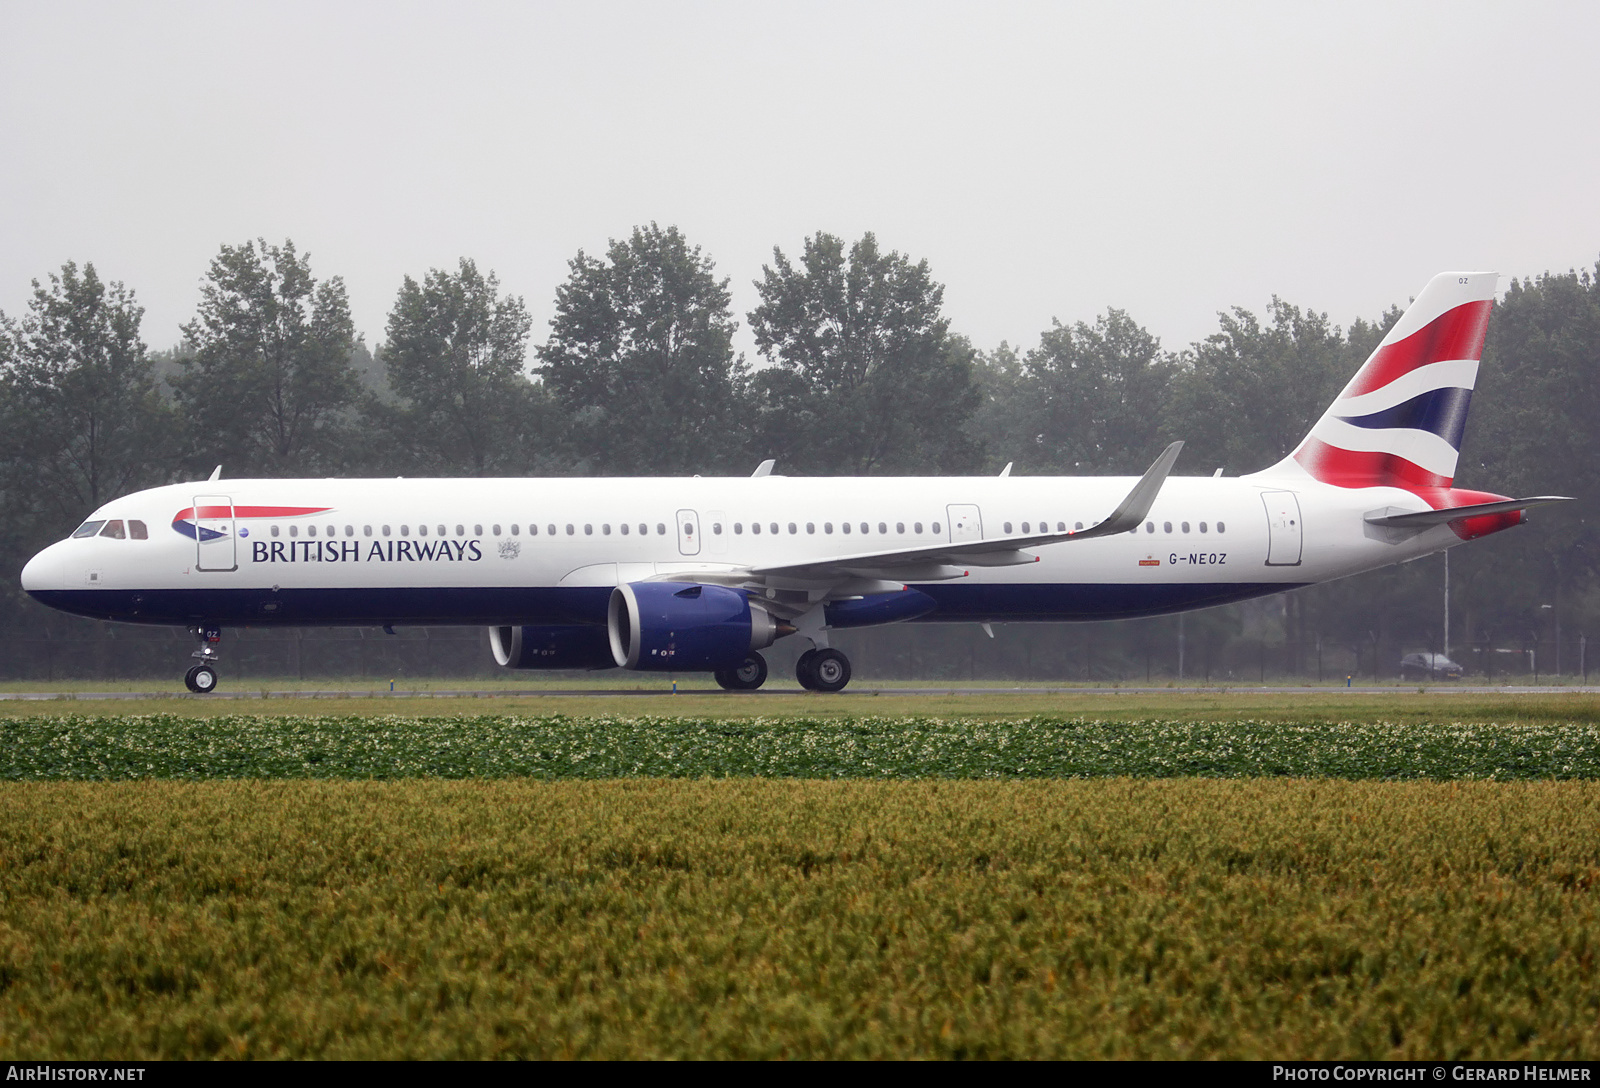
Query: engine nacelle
{"points": [[687, 628], [879, 608], [573, 646]]}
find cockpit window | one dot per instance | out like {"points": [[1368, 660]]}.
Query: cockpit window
{"points": [[87, 529], [137, 531], [114, 530]]}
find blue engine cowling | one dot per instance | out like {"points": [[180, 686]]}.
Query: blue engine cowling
{"points": [[687, 628], [879, 608], [574, 646]]}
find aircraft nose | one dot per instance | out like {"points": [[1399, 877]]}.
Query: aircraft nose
{"points": [[43, 571]]}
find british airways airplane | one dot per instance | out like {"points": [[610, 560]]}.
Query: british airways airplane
{"points": [[697, 574]]}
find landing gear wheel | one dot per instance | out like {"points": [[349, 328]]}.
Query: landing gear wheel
{"points": [[803, 670], [749, 676], [831, 670], [822, 670], [202, 679]]}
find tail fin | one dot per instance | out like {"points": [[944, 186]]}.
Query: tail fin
{"points": [[1399, 421]]}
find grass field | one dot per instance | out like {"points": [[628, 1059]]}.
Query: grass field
{"points": [[749, 918], [307, 881]]}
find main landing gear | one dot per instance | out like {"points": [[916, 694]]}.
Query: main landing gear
{"points": [[822, 670], [749, 675], [202, 678]]}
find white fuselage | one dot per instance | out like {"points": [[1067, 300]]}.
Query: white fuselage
{"points": [[510, 551]]}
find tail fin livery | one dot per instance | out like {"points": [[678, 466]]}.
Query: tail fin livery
{"points": [[1399, 421]]}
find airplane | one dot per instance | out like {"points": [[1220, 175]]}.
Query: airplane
{"points": [[702, 574]]}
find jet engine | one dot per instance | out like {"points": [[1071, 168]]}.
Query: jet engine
{"points": [[573, 646], [669, 625]]}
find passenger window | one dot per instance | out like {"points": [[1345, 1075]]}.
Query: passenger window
{"points": [[827, 527], [1007, 527], [294, 530], [1166, 526], [661, 528], [1185, 526], [793, 528], [87, 529], [883, 529], [900, 527], [477, 530], [716, 528], [688, 528], [422, 530], [311, 530], [442, 531], [738, 528], [1221, 528], [845, 526], [624, 528], [936, 527], [1202, 526], [1077, 526], [496, 529], [405, 530], [533, 529], [570, 530], [366, 530], [755, 527], [275, 531], [811, 528], [332, 531], [605, 529], [1149, 526], [113, 530], [644, 530], [774, 527], [137, 531], [916, 527], [865, 528], [1025, 526]]}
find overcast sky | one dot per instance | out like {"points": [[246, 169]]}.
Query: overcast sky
{"points": [[1048, 160]]}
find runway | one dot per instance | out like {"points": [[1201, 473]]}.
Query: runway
{"points": [[925, 691]]}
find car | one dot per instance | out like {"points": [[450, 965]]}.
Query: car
{"points": [[1429, 666]]}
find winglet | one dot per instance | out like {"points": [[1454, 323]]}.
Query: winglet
{"points": [[765, 468], [1132, 510]]}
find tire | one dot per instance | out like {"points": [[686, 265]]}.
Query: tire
{"points": [[829, 670], [803, 672], [202, 679], [748, 676]]}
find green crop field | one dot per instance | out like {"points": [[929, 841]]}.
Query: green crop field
{"points": [[1176, 884]]}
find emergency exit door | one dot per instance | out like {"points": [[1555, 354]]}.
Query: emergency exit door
{"points": [[215, 547], [1283, 528]]}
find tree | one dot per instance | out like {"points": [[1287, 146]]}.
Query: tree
{"points": [[640, 359], [1093, 395], [867, 377], [87, 420], [270, 379], [1247, 395], [455, 354]]}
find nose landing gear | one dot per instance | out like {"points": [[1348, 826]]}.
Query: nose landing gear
{"points": [[202, 678]]}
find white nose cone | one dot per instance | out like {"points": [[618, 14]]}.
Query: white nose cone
{"points": [[43, 571]]}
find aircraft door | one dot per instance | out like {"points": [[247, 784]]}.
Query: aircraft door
{"points": [[215, 546], [965, 523], [688, 532], [1283, 528]]}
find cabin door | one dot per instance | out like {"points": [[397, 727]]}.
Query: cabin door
{"points": [[213, 533], [1283, 528], [688, 532], [965, 524]]}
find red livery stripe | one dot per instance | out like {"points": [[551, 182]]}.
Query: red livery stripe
{"points": [[1364, 468], [1454, 334], [250, 512]]}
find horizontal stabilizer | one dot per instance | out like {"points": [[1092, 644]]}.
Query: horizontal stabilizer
{"points": [[1423, 519]]}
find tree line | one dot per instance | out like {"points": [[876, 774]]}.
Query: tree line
{"points": [[860, 372]]}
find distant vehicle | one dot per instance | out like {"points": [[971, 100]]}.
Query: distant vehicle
{"points": [[1429, 666]]}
